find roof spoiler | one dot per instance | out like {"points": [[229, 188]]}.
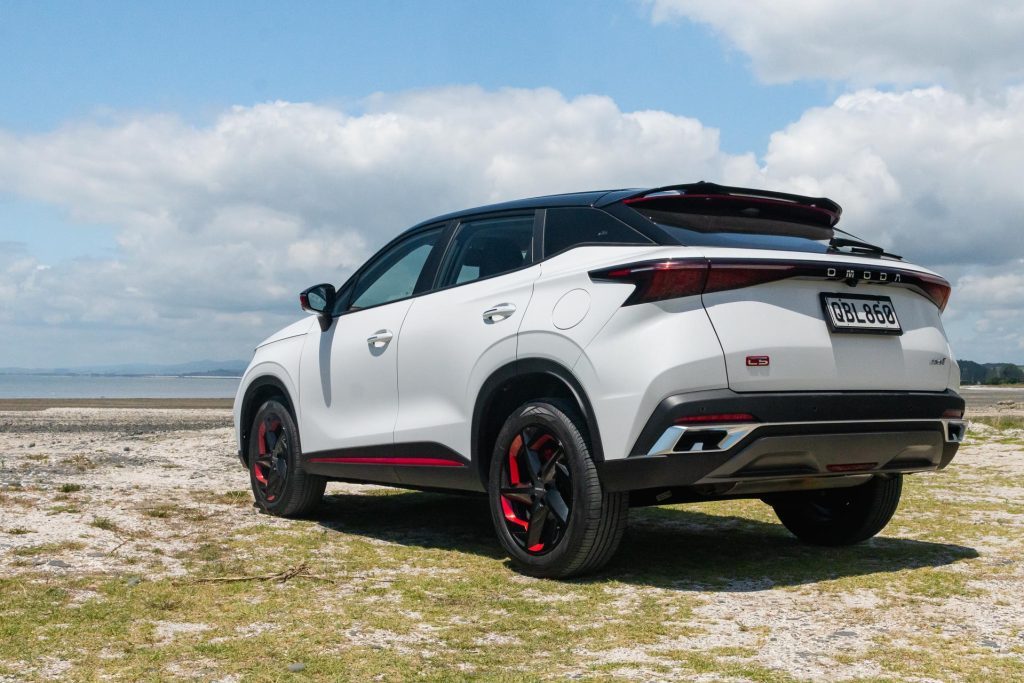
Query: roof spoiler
{"points": [[713, 190]]}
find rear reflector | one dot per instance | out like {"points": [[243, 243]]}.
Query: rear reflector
{"points": [[716, 418], [954, 413], [853, 467]]}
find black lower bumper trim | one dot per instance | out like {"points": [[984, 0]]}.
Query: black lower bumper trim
{"points": [[808, 413], [799, 406]]}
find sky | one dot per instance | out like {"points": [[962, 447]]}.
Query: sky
{"points": [[172, 174]]}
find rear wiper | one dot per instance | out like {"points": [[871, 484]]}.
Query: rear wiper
{"points": [[859, 247]]}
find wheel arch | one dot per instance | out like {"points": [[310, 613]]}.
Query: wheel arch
{"points": [[260, 389], [512, 385]]}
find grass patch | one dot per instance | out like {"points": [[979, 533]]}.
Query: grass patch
{"points": [[241, 497], [81, 462], [17, 531], [1000, 421], [47, 549], [162, 511], [105, 524], [70, 488]]}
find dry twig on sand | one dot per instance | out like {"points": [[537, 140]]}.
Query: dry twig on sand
{"points": [[299, 570]]}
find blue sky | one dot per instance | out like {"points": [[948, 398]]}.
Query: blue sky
{"points": [[122, 125], [65, 61], [69, 61]]}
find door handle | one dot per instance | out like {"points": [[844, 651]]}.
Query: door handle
{"points": [[499, 313], [380, 339]]}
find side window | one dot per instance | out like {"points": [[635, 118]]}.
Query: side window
{"points": [[394, 274], [566, 228], [488, 247]]}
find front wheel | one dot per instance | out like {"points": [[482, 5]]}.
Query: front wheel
{"points": [[279, 484], [840, 516], [548, 507]]}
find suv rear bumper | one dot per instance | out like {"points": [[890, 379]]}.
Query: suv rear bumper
{"points": [[789, 440]]}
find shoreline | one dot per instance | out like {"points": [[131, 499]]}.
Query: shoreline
{"points": [[31, 404]]}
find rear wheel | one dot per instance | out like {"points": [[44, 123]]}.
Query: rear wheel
{"points": [[840, 516], [548, 507], [279, 484]]}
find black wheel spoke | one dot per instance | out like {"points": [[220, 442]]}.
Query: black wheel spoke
{"points": [[547, 473], [519, 494], [269, 436], [536, 527], [533, 465], [557, 505]]}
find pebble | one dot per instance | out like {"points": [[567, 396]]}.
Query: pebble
{"points": [[133, 581], [296, 667], [127, 448], [59, 563]]}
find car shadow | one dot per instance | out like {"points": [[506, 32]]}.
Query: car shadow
{"points": [[672, 548]]}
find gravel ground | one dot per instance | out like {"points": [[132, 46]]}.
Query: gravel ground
{"points": [[87, 492]]}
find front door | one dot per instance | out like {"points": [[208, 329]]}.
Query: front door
{"points": [[348, 381]]}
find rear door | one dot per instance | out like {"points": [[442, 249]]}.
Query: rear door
{"points": [[455, 337]]}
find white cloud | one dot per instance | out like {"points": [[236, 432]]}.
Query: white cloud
{"points": [[236, 217], [929, 173], [220, 226], [955, 42]]}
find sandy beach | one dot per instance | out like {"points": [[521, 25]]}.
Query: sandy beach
{"points": [[134, 520]]}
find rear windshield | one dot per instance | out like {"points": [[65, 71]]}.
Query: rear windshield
{"points": [[699, 230]]}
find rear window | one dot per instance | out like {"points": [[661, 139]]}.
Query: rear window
{"points": [[572, 227], [739, 231]]}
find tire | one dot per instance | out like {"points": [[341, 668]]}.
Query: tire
{"points": [[279, 484], [836, 517], [540, 458]]}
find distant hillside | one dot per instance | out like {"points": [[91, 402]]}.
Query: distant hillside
{"points": [[200, 368], [990, 373]]}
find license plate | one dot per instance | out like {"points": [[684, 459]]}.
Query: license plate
{"points": [[860, 313]]}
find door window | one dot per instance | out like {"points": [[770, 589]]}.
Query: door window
{"points": [[488, 247], [568, 228], [394, 274]]}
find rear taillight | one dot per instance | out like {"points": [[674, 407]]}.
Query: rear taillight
{"points": [[672, 278], [658, 280], [724, 276], [935, 288]]}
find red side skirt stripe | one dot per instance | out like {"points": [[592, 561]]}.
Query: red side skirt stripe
{"points": [[416, 462]]}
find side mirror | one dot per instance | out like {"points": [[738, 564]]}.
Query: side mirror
{"points": [[319, 299]]}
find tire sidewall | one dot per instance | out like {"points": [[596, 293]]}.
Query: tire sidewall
{"points": [[568, 433]]}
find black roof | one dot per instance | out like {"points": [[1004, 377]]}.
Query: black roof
{"points": [[606, 197], [592, 198]]}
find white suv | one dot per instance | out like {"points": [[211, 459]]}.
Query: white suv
{"points": [[575, 355]]}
